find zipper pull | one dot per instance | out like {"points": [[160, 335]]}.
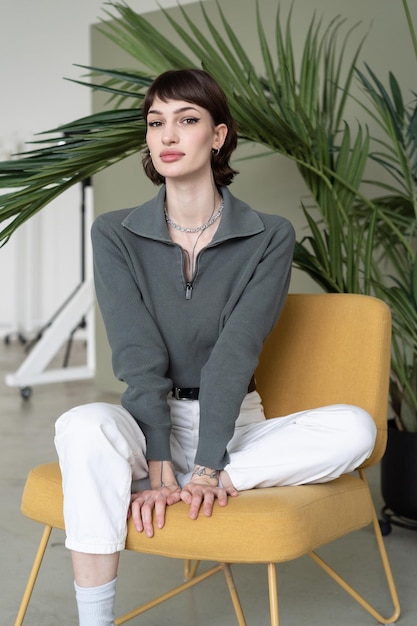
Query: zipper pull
{"points": [[188, 291]]}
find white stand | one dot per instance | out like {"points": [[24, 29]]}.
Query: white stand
{"points": [[33, 370], [78, 308], [20, 258]]}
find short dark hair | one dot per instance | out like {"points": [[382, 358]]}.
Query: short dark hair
{"points": [[197, 87]]}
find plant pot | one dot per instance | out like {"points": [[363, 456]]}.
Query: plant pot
{"points": [[399, 474]]}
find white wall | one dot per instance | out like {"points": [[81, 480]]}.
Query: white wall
{"points": [[39, 43]]}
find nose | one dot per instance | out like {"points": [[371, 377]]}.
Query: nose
{"points": [[169, 135]]}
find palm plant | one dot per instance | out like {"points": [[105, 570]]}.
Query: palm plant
{"points": [[284, 112], [299, 113], [396, 153]]}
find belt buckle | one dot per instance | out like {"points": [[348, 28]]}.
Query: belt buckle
{"points": [[177, 391]]}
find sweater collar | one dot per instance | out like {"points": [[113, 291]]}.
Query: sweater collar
{"points": [[238, 219]]}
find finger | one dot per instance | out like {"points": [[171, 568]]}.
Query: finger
{"points": [[160, 507], [196, 500], [174, 497], [186, 496], [222, 496], [208, 503], [136, 514], [147, 517]]}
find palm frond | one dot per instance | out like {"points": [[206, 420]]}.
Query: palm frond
{"points": [[284, 117], [66, 155]]}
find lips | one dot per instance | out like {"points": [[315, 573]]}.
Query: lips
{"points": [[169, 156]]}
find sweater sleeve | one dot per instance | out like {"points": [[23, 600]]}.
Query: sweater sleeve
{"points": [[250, 316], [139, 355]]}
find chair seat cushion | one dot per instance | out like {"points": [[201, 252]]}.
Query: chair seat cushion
{"points": [[258, 526]]}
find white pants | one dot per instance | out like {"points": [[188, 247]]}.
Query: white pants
{"points": [[101, 452]]}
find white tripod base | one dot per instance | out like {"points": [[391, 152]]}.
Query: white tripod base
{"points": [[33, 370]]}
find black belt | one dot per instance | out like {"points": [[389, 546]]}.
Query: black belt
{"points": [[192, 393]]}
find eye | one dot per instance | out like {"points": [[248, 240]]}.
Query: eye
{"points": [[154, 123], [190, 120]]}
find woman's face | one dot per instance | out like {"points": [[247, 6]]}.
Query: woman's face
{"points": [[181, 136]]}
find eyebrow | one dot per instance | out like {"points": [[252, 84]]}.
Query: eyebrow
{"points": [[180, 110]]}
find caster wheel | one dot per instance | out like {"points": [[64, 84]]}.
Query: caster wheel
{"points": [[385, 527], [26, 392]]}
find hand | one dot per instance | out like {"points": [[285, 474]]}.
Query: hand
{"points": [[164, 491], [144, 503], [203, 490]]}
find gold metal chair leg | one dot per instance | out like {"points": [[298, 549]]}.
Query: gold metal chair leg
{"points": [[190, 569], [387, 569], [273, 594], [234, 594], [168, 595], [195, 580], [33, 575]]}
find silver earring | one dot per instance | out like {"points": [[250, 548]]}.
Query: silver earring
{"points": [[216, 152]]}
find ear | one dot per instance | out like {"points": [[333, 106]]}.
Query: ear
{"points": [[220, 133]]}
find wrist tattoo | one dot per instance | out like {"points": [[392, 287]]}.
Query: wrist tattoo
{"points": [[203, 471], [161, 480]]}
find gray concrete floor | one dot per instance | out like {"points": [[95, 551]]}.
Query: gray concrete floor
{"points": [[307, 595]]}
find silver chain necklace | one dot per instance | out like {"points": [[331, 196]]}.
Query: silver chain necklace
{"points": [[183, 229]]}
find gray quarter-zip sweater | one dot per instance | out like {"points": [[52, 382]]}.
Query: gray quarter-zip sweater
{"points": [[165, 331]]}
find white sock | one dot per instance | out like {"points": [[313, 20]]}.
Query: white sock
{"points": [[96, 604]]}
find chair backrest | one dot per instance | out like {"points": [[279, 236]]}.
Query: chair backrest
{"points": [[329, 349]]}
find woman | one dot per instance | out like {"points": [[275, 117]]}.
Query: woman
{"points": [[189, 286]]}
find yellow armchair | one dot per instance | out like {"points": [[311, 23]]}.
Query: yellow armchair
{"points": [[325, 349]]}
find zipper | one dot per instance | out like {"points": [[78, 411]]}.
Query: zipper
{"points": [[189, 284], [188, 290]]}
